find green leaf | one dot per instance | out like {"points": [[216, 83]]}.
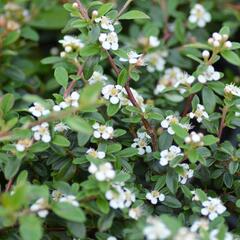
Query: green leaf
{"points": [[172, 181], [11, 168], [114, 147], [225, 30], [180, 30], [61, 141], [29, 33], [104, 9], [179, 131], [127, 152], [77, 229], [61, 76], [11, 38], [7, 102], [51, 60], [209, 140], [134, 14], [69, 212], [193, 155], [79, 124], [122, 77], [112, 109], [30, 228], [103, 205], [172, 202], [209, 99], [231, 57], [201, 194], [90, 50]]}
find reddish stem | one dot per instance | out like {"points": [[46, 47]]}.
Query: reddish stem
{"points": [[222, 123], [9, 185], [187, 105], [132, 99], [82, 10]]}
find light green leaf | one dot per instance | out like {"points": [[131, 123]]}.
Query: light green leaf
{"points": [[231, 57], [134, 14], [79, 124], [61, 76], [61, 141]]}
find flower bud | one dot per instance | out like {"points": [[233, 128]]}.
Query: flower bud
{"points": [[210, 41], [216, 44], [62, 54], [225, 37], [68, 49], [94, 13], [228, 44], [217, 36], [75, 5], [205, 54]]}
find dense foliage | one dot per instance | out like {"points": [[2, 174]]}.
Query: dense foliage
{"points": [[119, 119]]}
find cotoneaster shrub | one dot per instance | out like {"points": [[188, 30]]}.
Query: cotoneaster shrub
{"points": [[129, 130]]}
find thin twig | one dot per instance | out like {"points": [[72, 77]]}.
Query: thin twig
{"points": [[132, 99], [125, 6], [9, 185], [222, 123], [82, 10], [187, 105]]}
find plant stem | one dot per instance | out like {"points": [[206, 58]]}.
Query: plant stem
{"points": [[82, 10], [187, 105], [132, 99], [222, 123], [9, 185], [127, 3]]}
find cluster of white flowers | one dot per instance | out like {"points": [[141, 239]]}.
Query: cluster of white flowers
{"points": [[61, 127], [116, 94], [120, 197], [168, 155], [155, 196], [151, 42], [169, 121], [201, 223], [142, 143], [219, 41], [40, 207], [212, 208], [105, 23], [70, 44], [199, 16], [195, 139], [41, 132], [96, 154], [23, 144], [156, 229], [173, 77], [156, 61], [69, 101], [199, 113], [38, 110], [103, 171], [133, 58], [97, 77], [185, 174], [113, 93], [186, 234], [232, 90], [71, 199], [102, 131], [135, 213], [209, 75]]}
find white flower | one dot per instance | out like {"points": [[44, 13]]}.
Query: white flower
{"points": [[185, 174], [71, 43], [209, 75], [195, 197], [38, 110], [61, 127], [69, 101], [71, 199], [141, 143], [199, 16], [96, 154], [155, 196], [168, 155], [56, 195], [186, 234], [153, 41], [212, 208], [23, 144], [120, 197], [102, 172], [135, 213], [97, 77], [168, 121], [109, 40], [219, 41], [155, 61], [41, 132], [102, 131], [214, 235], [156, 229], [111, 238], [194, 139], [113, 93], [199, 113], [105, 23], [133, 58], [202, 223], [40, 207], [231, 89]]}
